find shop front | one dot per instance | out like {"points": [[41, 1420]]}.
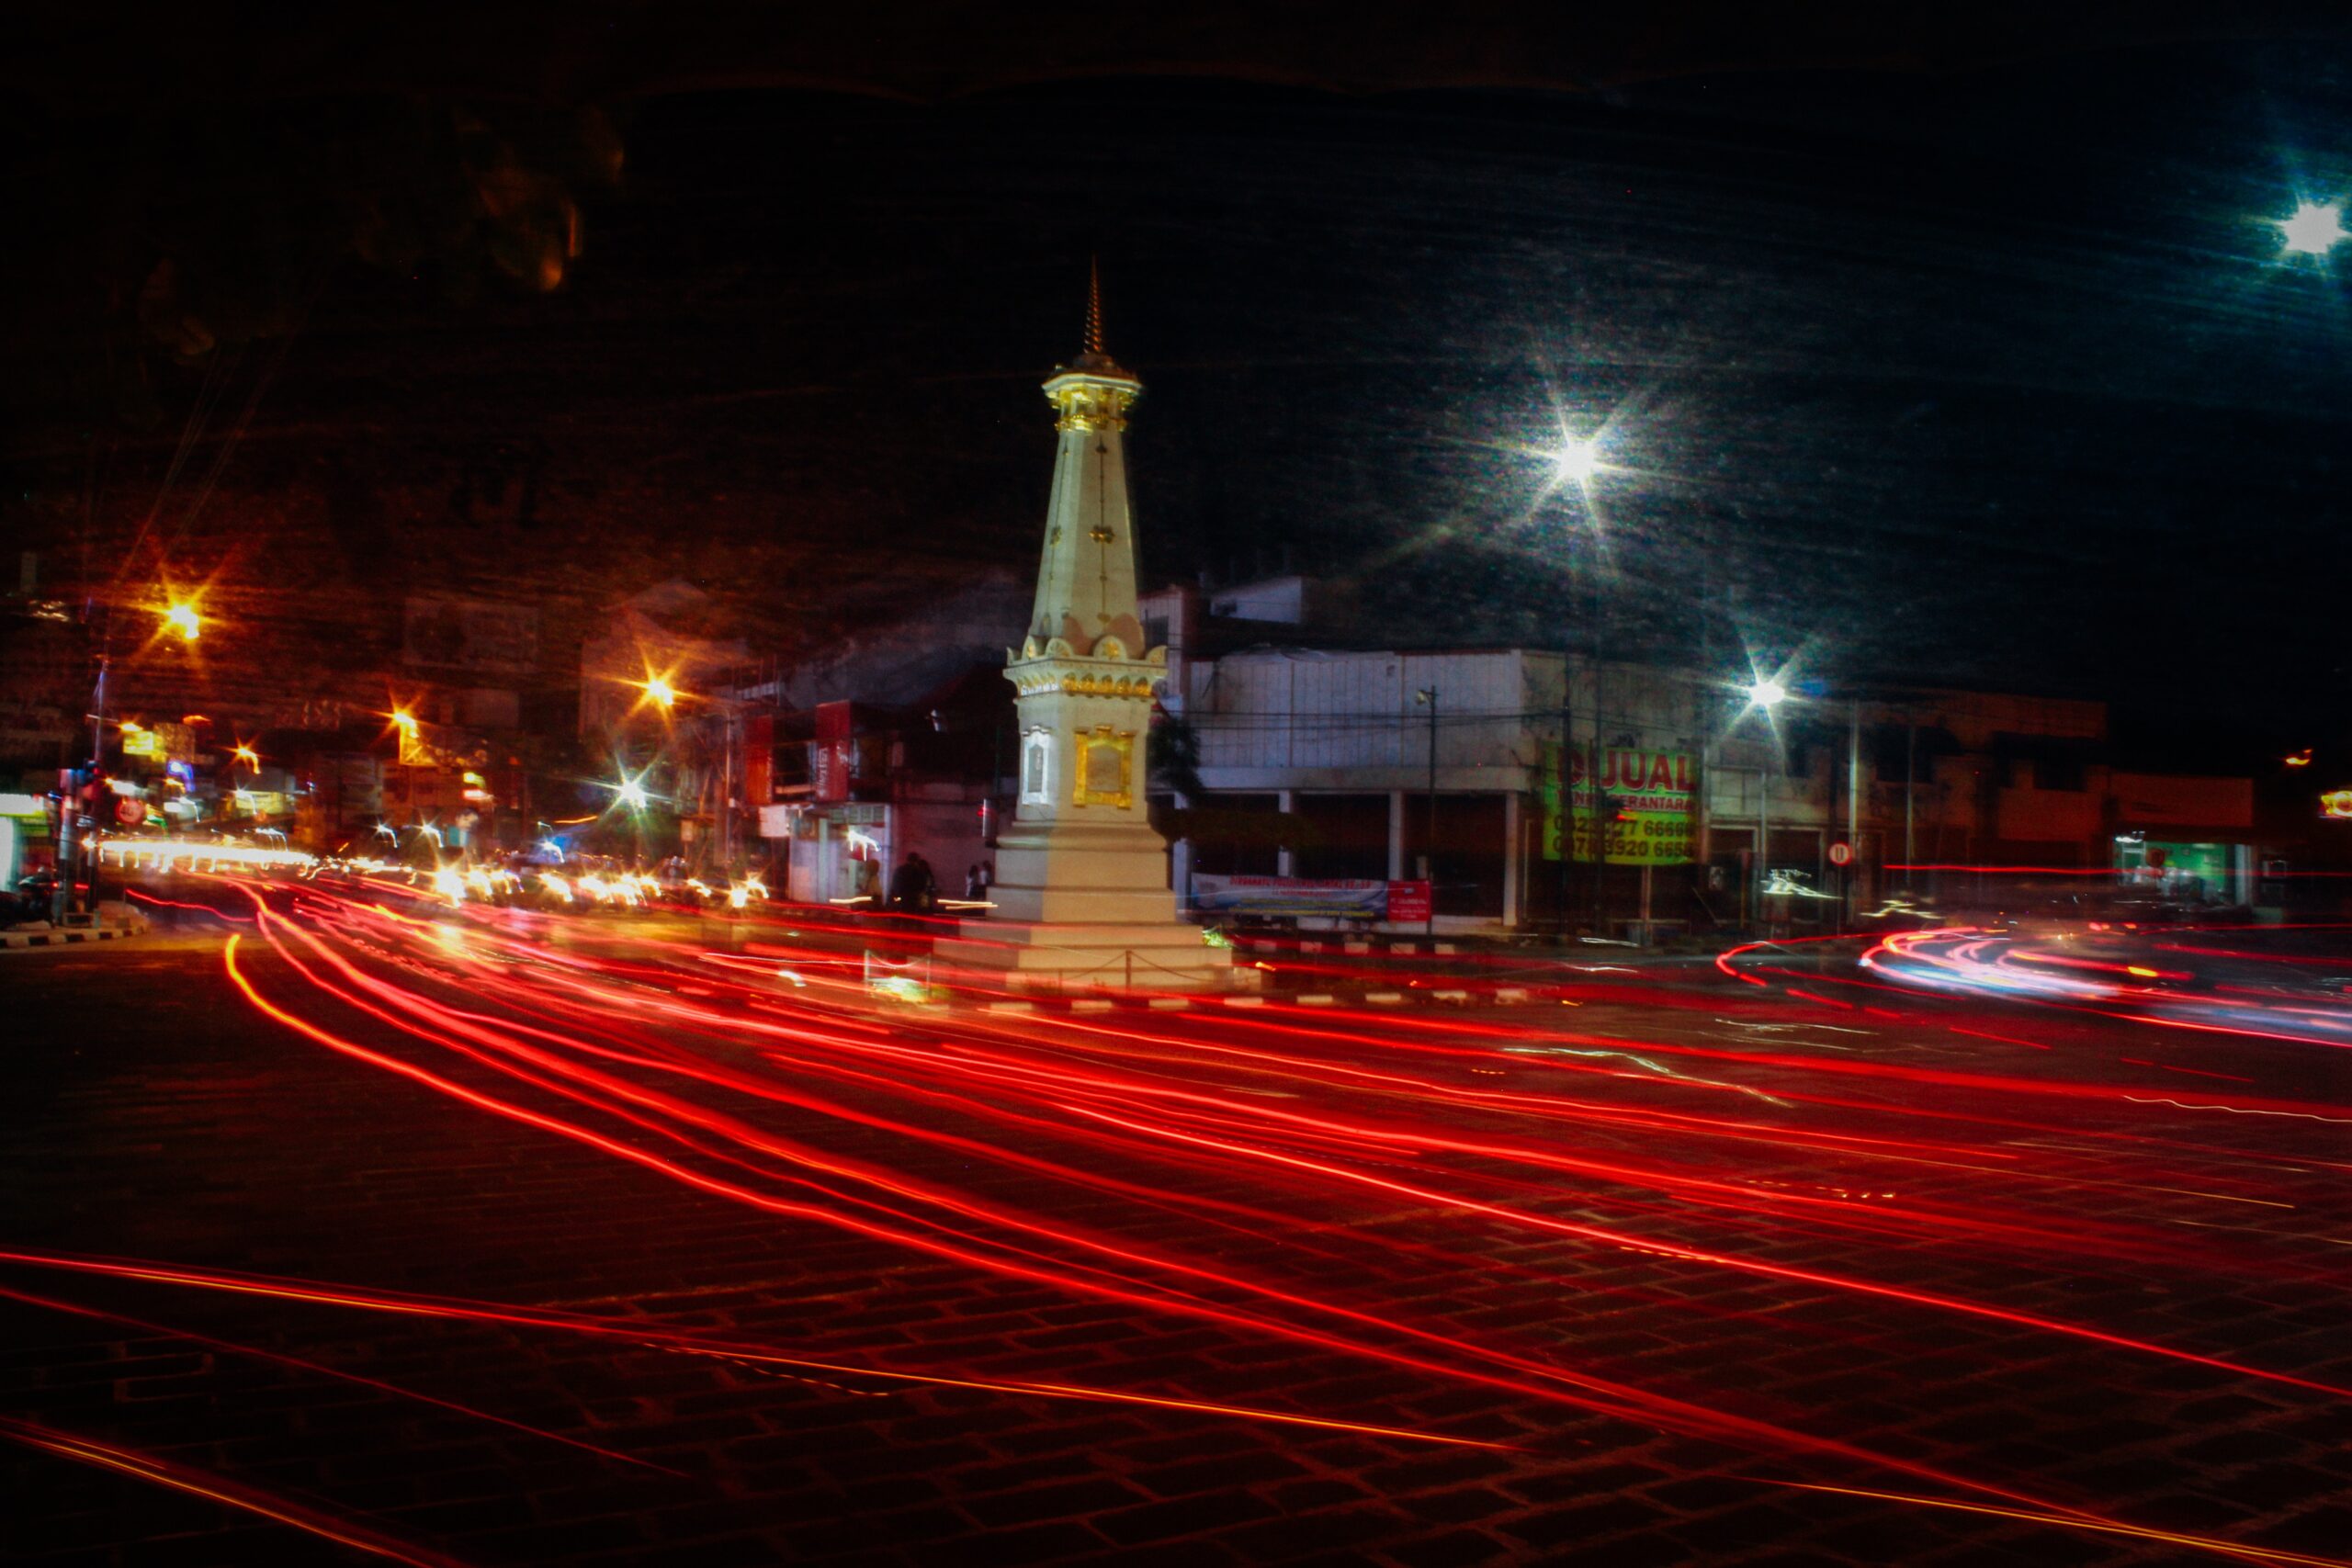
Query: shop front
{"points": [[2185, 871], [28, 837], [833, 854]]}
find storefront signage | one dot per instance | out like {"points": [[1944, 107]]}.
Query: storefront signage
{"points": [[1408, 902], [1637, 805], [759, 759], [160, 741], [829, 758]]}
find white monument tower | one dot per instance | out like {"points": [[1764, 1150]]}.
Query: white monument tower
{"points": [[1082, 891]]}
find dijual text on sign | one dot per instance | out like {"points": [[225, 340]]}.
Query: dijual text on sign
{"points": [[1638, 803]]}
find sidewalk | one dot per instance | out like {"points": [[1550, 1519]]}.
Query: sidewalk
{"points": [[113, 921]]}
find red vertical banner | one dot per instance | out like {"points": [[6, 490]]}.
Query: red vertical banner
{"points": [[759, 759], [829, 776]]}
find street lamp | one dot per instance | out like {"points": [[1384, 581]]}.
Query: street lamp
{"points": [[1426, 697], [1765, 694], [2314, 228], [182, 618], [1575, 460], [662, 694]]}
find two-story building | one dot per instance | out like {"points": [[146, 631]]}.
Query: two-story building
{"points": [[1538, 788]]}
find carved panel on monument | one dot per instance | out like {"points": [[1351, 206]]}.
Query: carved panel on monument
{"points": [[1036, 768], [1105, 771]]}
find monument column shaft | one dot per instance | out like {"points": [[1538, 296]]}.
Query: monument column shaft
{"points": [[1086, 574], [1081, 888]]}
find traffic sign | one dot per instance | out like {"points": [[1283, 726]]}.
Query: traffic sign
{"points": [[1841, 855]]}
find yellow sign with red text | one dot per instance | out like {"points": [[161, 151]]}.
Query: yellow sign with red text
{"points": [[1629, 805]]}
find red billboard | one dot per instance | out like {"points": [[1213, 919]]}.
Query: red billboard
{"points": [[829, 760], [759, 759]]}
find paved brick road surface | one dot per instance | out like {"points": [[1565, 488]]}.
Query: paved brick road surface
{"points": [[156, 1116]]}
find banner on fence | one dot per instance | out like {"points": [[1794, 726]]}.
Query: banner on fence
{"points": [[1349, 897]]}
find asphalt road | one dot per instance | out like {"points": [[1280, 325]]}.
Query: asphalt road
{"points": [[433, 1240]]}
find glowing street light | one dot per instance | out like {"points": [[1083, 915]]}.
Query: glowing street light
{"points": [[181, 618], [2313, 230], [1575, 460], [414, 752], [663, 694], [631, 794], [248, 756], [1767, 694]]}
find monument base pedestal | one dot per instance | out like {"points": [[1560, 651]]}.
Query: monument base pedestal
{"points": [[1166, 955]]}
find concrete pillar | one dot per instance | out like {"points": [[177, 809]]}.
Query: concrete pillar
{"points": [[1513, 830], [1284, 859], [1397, 835]]}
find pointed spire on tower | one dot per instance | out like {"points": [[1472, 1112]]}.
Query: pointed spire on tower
{"points": [[1094, 307], [1093, 391]]}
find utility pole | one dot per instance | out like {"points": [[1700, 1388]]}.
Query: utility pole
{"points": [[1853, 808], [1600, 744], [1429, 695], [1910, 783], [72, 845], [1566, 786], [1764, 828], [727, 791], [97, 768]]}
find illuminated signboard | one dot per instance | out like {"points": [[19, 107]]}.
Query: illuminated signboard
{"points": [[1642, 798]]}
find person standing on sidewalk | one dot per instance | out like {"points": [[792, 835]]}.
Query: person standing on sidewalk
{"points": [[914, 889]]}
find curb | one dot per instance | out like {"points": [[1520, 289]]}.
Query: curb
{"points": [[1337, 996], [66, 938]]}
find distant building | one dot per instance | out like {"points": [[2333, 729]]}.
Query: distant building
{"points": [[1497, 771], [897, 737]]}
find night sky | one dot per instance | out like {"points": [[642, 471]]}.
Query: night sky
{"points": [[1991, 373]]}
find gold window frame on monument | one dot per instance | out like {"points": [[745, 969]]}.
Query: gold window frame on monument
{"points": [[1120, 743]]}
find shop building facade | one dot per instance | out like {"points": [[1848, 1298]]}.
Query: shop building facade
{"points": [[1534, 789]]}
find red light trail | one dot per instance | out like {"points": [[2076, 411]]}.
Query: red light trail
{"points": [[175, 1476], [1262, 1144], [637, 1331]]}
